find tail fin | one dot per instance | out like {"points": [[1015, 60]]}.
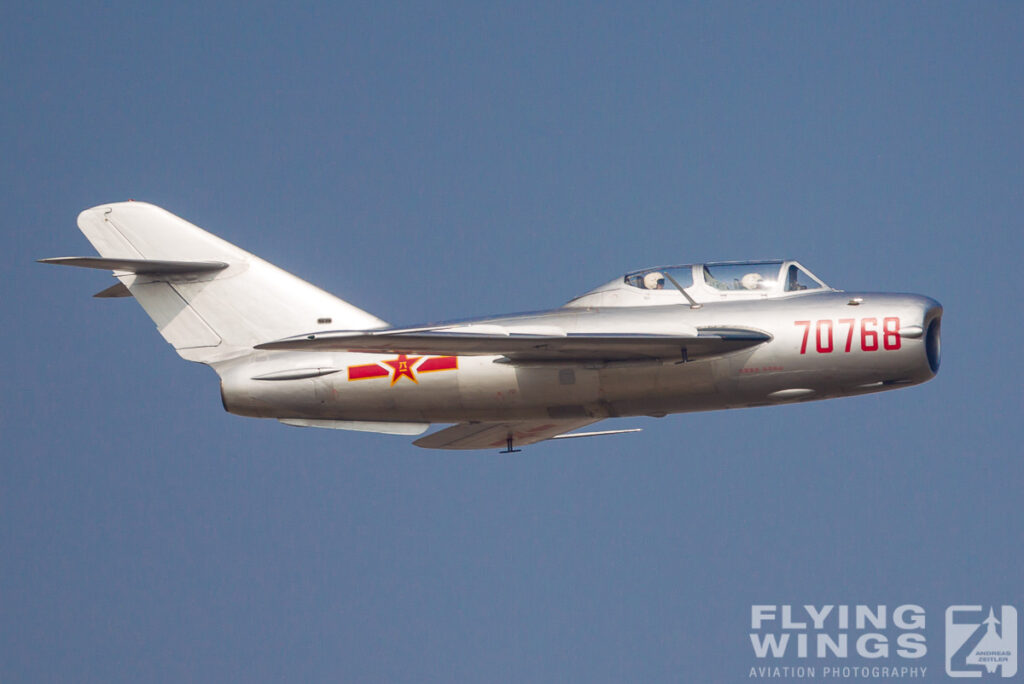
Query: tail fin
{"points": [[206, 313]]}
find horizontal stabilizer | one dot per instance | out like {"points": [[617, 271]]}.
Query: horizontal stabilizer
{"points": [[383, 427], [139, 266], [117, 290]]}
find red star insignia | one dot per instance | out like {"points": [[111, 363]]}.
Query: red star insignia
{"points": [[403, 367]]}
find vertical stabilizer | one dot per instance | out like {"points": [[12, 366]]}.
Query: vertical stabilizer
{"points": [[208, 315]]}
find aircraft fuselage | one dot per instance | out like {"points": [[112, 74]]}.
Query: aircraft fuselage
{"points": [[823, 345]]}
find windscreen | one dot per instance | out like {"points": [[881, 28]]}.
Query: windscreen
{"points": [[656, 279]]}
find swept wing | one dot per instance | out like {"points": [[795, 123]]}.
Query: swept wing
{"points": [[497, 435], [517, 346]]}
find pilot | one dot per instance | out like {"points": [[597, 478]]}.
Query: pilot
{"points": [[654, 281], [751, 281], [792, 282]]}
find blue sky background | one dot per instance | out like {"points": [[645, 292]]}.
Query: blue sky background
{"points": [[492, 158]]}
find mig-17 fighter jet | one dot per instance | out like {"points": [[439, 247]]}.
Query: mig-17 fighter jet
{"points": [[670, 339]]}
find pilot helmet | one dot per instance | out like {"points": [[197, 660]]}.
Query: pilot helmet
{"points": [[654, 281], [751, 281]]}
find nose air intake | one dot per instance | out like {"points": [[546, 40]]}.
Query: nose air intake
{"points": [[933, 345]]}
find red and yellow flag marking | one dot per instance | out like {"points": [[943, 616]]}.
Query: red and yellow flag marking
{"points": [[403, 367], [438, 363], [369, 370]]}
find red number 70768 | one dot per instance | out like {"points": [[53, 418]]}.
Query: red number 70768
{"points": [[825, 339]]}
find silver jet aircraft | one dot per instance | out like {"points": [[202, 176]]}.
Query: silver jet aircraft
{"points": [[670, 339]]}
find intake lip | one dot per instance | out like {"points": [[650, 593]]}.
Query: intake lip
{"points": [[933, 343]]}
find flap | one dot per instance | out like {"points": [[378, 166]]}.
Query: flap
{"points": [[526, 347], [496, 435]]}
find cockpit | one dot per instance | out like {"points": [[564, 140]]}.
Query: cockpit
{"points": [[704, 283]]}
